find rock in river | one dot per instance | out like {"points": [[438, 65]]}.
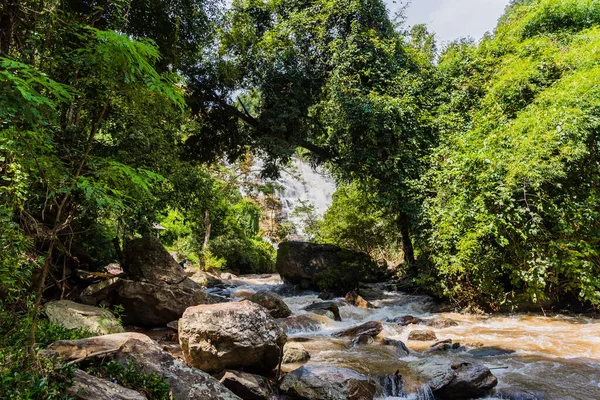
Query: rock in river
{"points": [[422, 335], [328, 383], [327, 308], [231, 336], [454, 381], [294, 352], [245, 385], [272, 302], [299, 262], [371, 328]]}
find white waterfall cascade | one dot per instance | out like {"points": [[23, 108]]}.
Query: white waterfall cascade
{"points": [[302, 184]]}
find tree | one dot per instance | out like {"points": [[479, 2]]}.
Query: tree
{"points": [[514, 189]]}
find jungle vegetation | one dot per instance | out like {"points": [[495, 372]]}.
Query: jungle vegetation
{"points": [[475, 166]]}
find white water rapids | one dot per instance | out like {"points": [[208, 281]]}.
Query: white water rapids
{"points": [[556, 355]]}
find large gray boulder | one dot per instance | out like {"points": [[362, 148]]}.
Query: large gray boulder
{"points": [[156, 304], [156, 290], [272, 302], [73, 315], [231, 336], [146, 259], [299, 262], [88, 387], [139, 350], [328, 383], [454, 381]]}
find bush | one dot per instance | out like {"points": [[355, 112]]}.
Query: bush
{"points": [[247, 255]]}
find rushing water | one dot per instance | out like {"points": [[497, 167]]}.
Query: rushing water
{"points": [[556, 355]]}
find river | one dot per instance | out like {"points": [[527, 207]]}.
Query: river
{"points": [[556, 355]]}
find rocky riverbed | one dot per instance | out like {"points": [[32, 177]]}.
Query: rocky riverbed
{"points": [[551, 357]]}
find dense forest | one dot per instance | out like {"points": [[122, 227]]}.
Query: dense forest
{"points": [[473, 166]]}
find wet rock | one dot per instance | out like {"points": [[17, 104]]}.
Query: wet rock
{"points": [[156, 304], [371, 328], [326, 296], [454, 381], [294, 353], [245, 385], [229, 336], [362, 340], [148, 260], [204, 279], [390, 385], [519, 394], [304, 322], [422, 335], [489, 351], [398, 344], [272, 302], [148, 357], [327, 308], [406, 320], [371, 292], [445, 346], [88, 387], [358, 301], [440, 322], [73, 315], [328, 383], [299, 262], [229, 276]]}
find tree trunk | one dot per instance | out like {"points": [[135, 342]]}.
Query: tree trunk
{"points": [[207, 225], [407, 247], [7, 24]]}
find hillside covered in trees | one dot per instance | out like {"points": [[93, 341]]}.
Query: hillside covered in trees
{"points": [[472, 168]]}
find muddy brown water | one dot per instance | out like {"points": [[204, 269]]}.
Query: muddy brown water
{"points": [[556, 355]]}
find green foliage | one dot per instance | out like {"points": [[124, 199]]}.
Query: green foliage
{"points": [[20, 378], [515, 199], [153, 386], [246, 255], [356, 221]]}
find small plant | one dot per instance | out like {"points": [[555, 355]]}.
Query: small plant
{"points": [[153, 386]]}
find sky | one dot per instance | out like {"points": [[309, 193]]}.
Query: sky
{"points": [[453, 19]]}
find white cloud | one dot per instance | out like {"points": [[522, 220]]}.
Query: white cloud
{"points": [[452, 19]]}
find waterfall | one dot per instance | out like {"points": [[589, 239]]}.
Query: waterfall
{"points": [[390, 386], [301, 184]]}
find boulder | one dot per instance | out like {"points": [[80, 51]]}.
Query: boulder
{"points": [[489, 351], [406, 320], [397, 344], [245, 385], [358, 301], [156, 304], [327, 308], [148, 357], [272, 302], [230, 336], [88, 387], [101, 292], [326, 296], [454, 381], [73, 315], [299, 262], [328, 383], [440, 322], [204, 279], [361, 340], [422, 335], [294, 353], [371, 328], [146, 259], [303, 322]]}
